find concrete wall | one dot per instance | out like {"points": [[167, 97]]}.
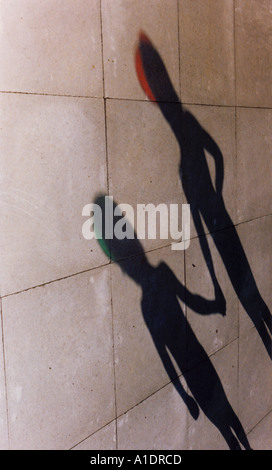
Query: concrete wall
{"points": [[79, 368]]}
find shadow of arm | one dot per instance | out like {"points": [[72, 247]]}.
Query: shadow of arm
{"points": [[196, 302], [199, 304], [210, 145]]}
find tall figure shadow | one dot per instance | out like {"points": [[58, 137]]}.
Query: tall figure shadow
{"points": [[171, 332], [206, 201]]}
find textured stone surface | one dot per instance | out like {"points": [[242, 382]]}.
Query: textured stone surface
{"points": [[158, 423], [143, 159], [51, 47], [260, 436], [253, 52], [104, 439], [134, 353], [4, 445], [206, 51], [254, 167], [59, 362], [256, 233], [122, 22], [55, 151], [255, 380]]}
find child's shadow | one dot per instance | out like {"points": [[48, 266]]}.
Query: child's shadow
{"points": [[171, 332]]}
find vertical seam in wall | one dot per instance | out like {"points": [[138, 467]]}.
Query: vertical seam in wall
{"points": [[104, 98], [179, 68], [184, 262], [113, 359], [236, 207], [184, 252], [235, 105], [5, 374], [186, 348], [107, 177]]}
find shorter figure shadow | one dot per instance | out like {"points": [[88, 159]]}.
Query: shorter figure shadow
{"points": [[172, 333]]}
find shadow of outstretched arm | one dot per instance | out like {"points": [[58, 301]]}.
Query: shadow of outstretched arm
{"points": [[211, 146], [196, 302]]}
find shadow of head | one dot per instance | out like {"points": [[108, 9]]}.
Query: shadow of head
{"points": [[152, 73], [116, 235]]}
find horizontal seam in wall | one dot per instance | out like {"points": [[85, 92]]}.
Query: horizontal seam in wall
{"points": [[153, 393], [255, 425], [141, 100], [129, 257]]}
